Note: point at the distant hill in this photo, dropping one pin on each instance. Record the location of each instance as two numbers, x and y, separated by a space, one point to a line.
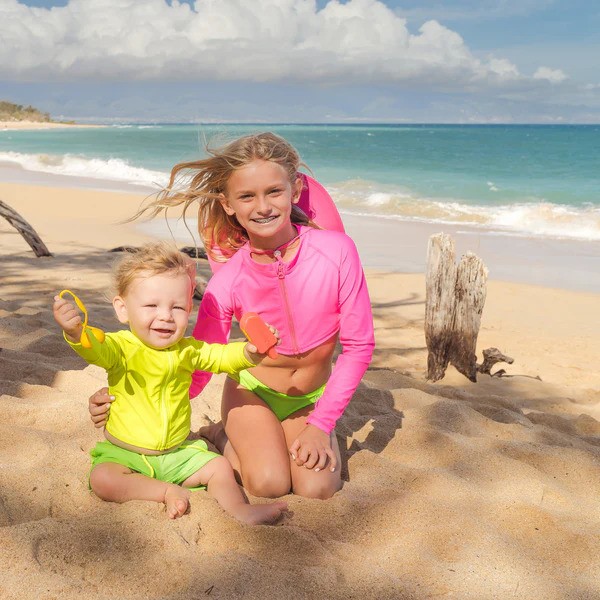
17 112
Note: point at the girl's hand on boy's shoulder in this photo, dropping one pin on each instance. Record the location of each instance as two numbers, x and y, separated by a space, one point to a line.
99 407
68 317
312 449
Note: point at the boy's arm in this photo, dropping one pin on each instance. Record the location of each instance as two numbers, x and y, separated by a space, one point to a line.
104 355
222 358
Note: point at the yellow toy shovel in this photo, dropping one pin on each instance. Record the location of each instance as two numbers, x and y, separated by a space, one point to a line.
97 333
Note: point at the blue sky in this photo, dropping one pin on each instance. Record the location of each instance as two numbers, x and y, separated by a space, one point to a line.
300 60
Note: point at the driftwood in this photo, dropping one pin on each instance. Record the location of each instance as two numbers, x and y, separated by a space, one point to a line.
194 252
454 301
25 229
491 356
191 251
130 249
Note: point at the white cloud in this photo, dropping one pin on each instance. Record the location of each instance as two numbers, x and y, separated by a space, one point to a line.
236 40
551 75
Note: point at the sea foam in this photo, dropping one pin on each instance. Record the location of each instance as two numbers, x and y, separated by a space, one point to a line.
112 169
531 216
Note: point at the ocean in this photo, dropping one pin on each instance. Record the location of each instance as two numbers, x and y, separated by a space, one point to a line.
513 180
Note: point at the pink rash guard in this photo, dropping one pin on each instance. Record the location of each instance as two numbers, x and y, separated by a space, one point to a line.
321 292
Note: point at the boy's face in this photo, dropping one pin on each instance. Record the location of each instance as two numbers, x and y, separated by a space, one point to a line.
156 308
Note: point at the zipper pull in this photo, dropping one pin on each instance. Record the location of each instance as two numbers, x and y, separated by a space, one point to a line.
280 266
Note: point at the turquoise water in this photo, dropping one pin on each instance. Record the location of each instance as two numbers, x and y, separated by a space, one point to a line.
518 180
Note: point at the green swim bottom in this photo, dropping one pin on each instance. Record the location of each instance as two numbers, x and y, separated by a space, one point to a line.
173 467
281 404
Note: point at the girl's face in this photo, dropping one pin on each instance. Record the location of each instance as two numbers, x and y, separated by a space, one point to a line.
260 195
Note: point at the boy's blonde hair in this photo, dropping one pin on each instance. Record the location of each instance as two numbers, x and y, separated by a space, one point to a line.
204 181
151 259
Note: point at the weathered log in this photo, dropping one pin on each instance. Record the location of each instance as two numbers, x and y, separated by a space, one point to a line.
130 249
439 304
191 251
194 252
25 229
470 292
454 301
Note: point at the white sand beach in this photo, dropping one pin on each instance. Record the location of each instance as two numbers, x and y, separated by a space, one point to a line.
474 491
21 125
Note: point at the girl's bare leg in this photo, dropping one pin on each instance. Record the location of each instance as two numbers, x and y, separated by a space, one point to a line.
267 465
253 442
218 476
115 483
307 482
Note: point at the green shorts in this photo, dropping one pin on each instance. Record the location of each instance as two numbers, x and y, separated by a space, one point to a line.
173 467
281 404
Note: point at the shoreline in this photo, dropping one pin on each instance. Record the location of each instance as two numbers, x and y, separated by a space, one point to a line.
390 245
397 246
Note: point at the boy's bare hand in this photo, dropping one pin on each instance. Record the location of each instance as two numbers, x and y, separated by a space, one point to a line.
68 317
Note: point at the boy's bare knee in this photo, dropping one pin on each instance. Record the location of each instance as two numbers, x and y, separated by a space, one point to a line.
217 468
267 483
220 464
102 482
106 481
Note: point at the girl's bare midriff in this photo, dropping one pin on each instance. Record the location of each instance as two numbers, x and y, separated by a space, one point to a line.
299 374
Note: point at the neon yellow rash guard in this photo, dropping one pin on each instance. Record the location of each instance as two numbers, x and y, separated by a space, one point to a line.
151 387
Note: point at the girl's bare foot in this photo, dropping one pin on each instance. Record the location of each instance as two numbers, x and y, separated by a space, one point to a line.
257 514
177 500
215 434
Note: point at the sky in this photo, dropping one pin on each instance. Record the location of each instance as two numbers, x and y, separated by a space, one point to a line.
353 61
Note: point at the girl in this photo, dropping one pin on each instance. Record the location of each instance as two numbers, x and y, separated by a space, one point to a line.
278 418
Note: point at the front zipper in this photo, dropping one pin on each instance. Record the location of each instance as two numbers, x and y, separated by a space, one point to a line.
163 409
288 312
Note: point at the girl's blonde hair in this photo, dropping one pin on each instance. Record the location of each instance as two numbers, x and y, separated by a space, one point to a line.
204 181
155 258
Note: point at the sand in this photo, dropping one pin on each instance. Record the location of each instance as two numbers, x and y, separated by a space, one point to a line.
454 489
41 125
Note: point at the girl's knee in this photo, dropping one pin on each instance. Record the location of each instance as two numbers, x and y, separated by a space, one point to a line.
267 483
317 487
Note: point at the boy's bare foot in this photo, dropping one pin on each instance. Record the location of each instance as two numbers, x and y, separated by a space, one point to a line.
177 500
215 434
257 514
